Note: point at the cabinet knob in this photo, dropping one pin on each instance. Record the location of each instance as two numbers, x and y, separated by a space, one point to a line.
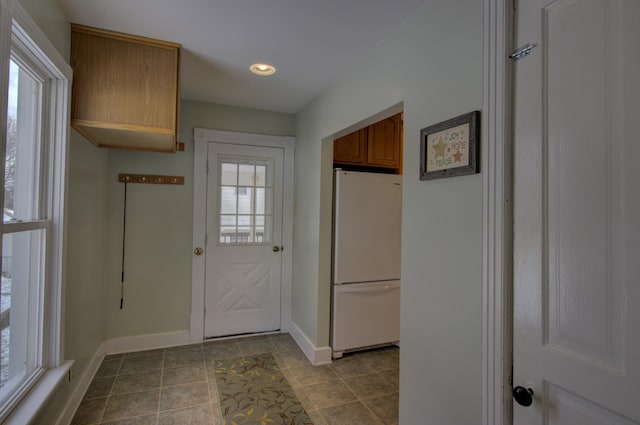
198 251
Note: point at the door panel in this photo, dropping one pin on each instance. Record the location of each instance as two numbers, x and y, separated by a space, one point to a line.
244 224
575 202
582 203
565 407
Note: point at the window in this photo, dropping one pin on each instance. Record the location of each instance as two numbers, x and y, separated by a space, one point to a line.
246 193
35 93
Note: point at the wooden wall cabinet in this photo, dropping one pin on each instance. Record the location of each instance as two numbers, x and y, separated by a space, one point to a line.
376 146
126 91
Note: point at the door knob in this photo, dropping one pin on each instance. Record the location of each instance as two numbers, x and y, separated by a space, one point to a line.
198 251
277 248
523 396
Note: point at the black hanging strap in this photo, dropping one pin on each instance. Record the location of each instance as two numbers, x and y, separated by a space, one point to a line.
124 235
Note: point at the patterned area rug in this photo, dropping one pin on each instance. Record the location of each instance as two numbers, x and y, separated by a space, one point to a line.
253 390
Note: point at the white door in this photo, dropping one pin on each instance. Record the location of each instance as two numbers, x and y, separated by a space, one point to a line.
576 212
244 239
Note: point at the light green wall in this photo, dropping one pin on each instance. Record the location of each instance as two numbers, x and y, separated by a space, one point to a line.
432 64
86 251
158 239
159 223
194 114
50 18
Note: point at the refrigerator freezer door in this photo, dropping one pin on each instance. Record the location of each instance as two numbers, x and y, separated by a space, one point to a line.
365 314
367 217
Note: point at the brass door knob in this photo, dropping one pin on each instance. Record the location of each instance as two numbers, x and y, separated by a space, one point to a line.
277 248
198 251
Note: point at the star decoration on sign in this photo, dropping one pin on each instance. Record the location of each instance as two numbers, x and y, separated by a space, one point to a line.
457 157
439 148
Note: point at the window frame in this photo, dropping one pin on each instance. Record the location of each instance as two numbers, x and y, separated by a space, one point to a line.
18 30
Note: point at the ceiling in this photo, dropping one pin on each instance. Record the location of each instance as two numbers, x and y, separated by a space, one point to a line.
310 42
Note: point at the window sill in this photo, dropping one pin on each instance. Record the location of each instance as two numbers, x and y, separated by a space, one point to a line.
31 404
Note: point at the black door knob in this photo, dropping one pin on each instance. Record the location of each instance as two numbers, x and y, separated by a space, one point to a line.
524 396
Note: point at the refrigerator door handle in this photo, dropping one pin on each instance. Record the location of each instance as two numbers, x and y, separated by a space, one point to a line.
378 288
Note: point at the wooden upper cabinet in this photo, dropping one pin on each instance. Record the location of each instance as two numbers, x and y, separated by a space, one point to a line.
384 142
376 146
352 148
125 89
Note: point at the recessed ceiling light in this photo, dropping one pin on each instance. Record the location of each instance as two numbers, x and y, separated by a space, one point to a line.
262 69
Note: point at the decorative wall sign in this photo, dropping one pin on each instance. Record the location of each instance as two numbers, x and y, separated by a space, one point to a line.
450 148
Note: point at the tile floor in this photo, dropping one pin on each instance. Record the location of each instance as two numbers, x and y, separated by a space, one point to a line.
176 385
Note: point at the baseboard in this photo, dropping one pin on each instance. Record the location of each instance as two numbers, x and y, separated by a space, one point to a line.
316 355
129 344
66 416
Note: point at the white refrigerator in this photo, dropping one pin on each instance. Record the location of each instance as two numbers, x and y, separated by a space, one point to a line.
366 260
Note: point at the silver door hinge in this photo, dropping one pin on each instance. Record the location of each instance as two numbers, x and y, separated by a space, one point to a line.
523 51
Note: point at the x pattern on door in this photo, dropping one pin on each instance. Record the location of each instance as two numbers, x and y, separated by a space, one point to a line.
243 287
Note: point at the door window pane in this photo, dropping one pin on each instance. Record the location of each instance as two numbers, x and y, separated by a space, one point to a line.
264 201
228 200
246 174
247 201
266 230
260 200
229 174
261 175
228 228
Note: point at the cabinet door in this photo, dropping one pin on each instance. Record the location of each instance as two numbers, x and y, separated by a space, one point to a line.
351 149
384 141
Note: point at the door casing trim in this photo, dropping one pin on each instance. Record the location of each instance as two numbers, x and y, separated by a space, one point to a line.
497 177
201 139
